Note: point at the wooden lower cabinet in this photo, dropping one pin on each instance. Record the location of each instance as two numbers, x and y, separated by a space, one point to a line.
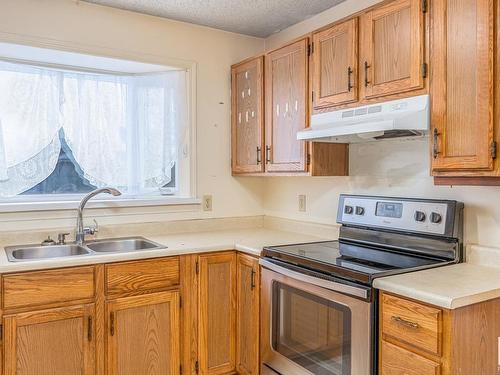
144 335
420 339
217 313
50 342
248 315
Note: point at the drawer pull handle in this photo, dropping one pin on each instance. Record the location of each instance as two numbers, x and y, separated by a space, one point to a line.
404 322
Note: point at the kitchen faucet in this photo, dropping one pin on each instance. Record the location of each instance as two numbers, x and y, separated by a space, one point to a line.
80 230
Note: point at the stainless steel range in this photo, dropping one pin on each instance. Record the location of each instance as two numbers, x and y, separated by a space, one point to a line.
319 309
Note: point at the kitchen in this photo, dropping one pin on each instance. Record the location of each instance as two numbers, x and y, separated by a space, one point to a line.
197 291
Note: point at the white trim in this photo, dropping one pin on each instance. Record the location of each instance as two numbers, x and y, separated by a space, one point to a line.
190 66
58 205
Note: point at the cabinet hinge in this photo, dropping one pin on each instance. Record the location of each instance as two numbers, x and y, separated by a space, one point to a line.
180 370
1 332
112 323
494 150
310 49
424 6
425 70
90 329
308 159
197 267
180 302
312 96
197 366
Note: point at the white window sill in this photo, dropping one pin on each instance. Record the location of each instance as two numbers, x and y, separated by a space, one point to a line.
56 205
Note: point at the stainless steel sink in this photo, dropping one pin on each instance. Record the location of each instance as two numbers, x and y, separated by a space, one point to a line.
26 253
36 252
123 245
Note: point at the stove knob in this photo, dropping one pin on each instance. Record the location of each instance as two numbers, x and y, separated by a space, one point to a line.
360 210
348 210
436 218
419 216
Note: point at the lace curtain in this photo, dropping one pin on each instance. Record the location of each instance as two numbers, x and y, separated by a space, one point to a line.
123 131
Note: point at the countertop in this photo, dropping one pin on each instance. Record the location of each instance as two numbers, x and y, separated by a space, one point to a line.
454 286
250 241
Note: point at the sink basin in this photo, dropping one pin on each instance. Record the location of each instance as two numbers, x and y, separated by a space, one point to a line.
35 252
123 245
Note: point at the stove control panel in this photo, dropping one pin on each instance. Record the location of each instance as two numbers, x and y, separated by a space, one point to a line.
410 215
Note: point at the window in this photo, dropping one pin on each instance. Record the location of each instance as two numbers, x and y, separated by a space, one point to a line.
66 131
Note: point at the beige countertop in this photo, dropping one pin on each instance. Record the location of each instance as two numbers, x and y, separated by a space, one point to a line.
454 286
248 240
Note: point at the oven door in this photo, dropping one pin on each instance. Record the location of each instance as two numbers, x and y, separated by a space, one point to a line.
312 326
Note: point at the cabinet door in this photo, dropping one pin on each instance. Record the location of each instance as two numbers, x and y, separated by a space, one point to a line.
217 322
50 342
392 48
462 85
143 335
286 107
247 104
247 349
335 65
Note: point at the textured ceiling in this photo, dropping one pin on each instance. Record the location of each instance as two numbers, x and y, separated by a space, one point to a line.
259 18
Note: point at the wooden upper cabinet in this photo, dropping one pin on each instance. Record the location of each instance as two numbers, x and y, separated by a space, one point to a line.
247 102
392 48
48 342
144 335
248 316
462 63
217 320
286 78
335 65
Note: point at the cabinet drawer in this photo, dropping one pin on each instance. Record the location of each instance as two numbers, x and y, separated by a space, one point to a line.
48 287
397 361
137 276
411 322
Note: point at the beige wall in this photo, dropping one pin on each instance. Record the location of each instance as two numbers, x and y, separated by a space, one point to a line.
79 26
393 168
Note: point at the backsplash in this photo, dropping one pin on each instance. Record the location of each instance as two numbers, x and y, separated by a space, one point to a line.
390 168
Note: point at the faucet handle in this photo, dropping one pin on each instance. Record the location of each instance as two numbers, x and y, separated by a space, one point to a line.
92 229
61 238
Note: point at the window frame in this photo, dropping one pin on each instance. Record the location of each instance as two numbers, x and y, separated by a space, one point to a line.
187 181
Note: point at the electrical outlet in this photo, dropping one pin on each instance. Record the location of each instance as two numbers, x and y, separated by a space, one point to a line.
302 203
207 203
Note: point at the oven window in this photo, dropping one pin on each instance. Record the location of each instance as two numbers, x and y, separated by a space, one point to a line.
311 331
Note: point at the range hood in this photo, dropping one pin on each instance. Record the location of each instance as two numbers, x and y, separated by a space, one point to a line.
398 118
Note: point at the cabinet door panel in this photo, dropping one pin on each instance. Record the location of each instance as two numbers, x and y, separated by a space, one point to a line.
248 116
335 61
143 335
398 361
50 342
247 350
286 107
393 48
217 313
462 85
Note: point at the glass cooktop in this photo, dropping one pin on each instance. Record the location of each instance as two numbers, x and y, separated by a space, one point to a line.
330 256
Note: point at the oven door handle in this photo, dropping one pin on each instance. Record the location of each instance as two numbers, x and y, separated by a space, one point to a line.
327 284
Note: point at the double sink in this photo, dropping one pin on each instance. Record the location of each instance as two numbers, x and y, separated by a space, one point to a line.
26 253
